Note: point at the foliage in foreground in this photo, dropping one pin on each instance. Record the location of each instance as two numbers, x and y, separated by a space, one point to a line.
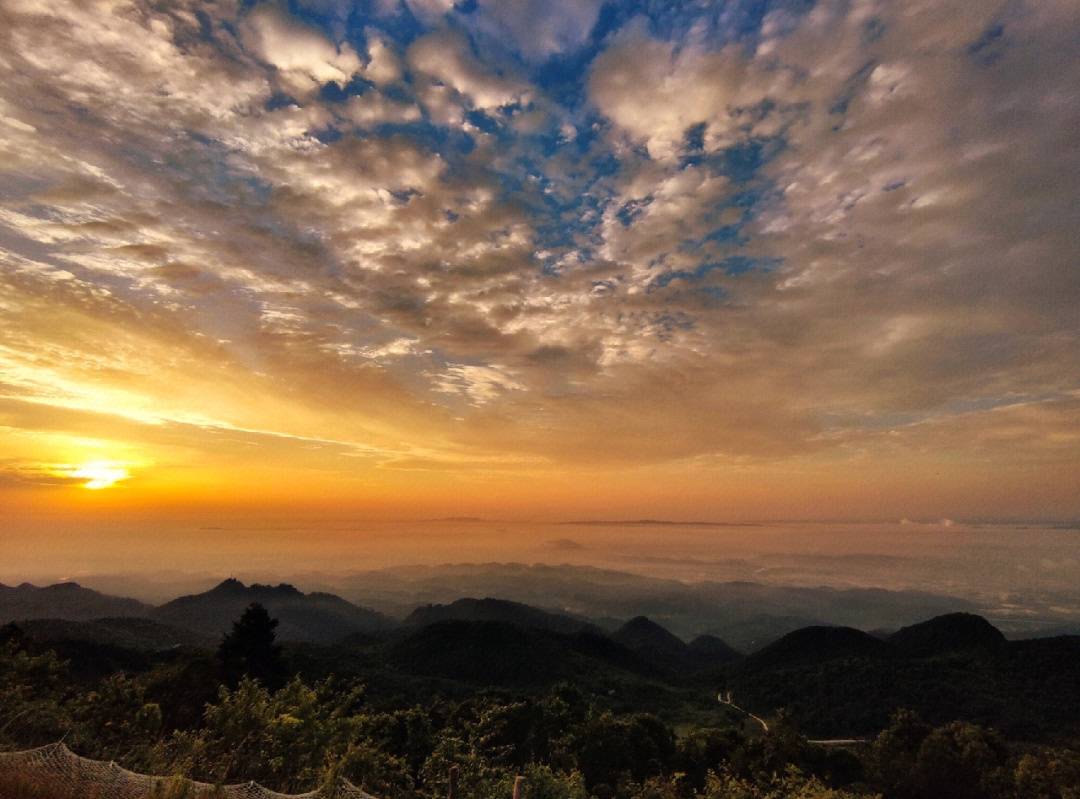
184 715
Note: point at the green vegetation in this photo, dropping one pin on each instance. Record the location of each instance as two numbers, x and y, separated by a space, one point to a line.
843 682
248 650
581 715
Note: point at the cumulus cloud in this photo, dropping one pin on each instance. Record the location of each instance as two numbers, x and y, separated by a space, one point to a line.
893 191
371 109
842 232
383 66
445 58
654 91
305 57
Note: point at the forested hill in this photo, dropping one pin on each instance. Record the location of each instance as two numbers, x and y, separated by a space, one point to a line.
584 714
837 681
563 598
833 680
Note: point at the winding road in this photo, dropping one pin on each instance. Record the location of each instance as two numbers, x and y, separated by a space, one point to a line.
726 700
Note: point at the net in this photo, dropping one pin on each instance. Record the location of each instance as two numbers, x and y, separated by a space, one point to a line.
57 767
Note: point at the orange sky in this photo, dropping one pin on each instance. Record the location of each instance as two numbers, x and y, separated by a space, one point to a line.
290 266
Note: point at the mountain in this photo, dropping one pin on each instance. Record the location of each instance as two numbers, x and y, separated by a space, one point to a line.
68 601
953 632
705 657
129 633
665 652
500 610
643 634
838 682
313 618
710 652
746 615
812 645
496 653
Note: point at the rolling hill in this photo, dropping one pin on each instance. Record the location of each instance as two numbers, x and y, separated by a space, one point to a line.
835 681
840 682
313 618
487 652
746 615
129 633
811 645
669 655
68 601
711 652
953 632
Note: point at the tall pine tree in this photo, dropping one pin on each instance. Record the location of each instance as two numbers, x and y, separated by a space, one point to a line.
249 650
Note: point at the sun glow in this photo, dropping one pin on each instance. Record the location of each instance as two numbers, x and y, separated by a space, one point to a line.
100 474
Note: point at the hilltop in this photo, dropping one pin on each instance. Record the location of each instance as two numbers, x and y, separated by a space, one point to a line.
837 681
953 632
67 600
315 618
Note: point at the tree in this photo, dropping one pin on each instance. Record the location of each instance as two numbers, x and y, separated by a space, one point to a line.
31 688
249 650
964 759
892 755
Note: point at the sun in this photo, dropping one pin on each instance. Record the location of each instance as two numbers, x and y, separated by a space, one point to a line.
100 474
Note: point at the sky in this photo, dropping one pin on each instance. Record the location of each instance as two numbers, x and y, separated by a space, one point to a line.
326 262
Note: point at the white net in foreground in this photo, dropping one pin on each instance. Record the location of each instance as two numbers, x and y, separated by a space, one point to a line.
55 767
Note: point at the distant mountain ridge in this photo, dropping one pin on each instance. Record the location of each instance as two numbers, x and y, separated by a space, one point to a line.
949 633
500 610
835 680
746 615
68 601
313 618
657 523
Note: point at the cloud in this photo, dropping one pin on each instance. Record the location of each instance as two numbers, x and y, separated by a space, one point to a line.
383 67
839 234
480 384
305 57
537 30
20 474
887 197
371 109
654 92
445 57
901 204
430 10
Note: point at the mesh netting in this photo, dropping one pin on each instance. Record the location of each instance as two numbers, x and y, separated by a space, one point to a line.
57 766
